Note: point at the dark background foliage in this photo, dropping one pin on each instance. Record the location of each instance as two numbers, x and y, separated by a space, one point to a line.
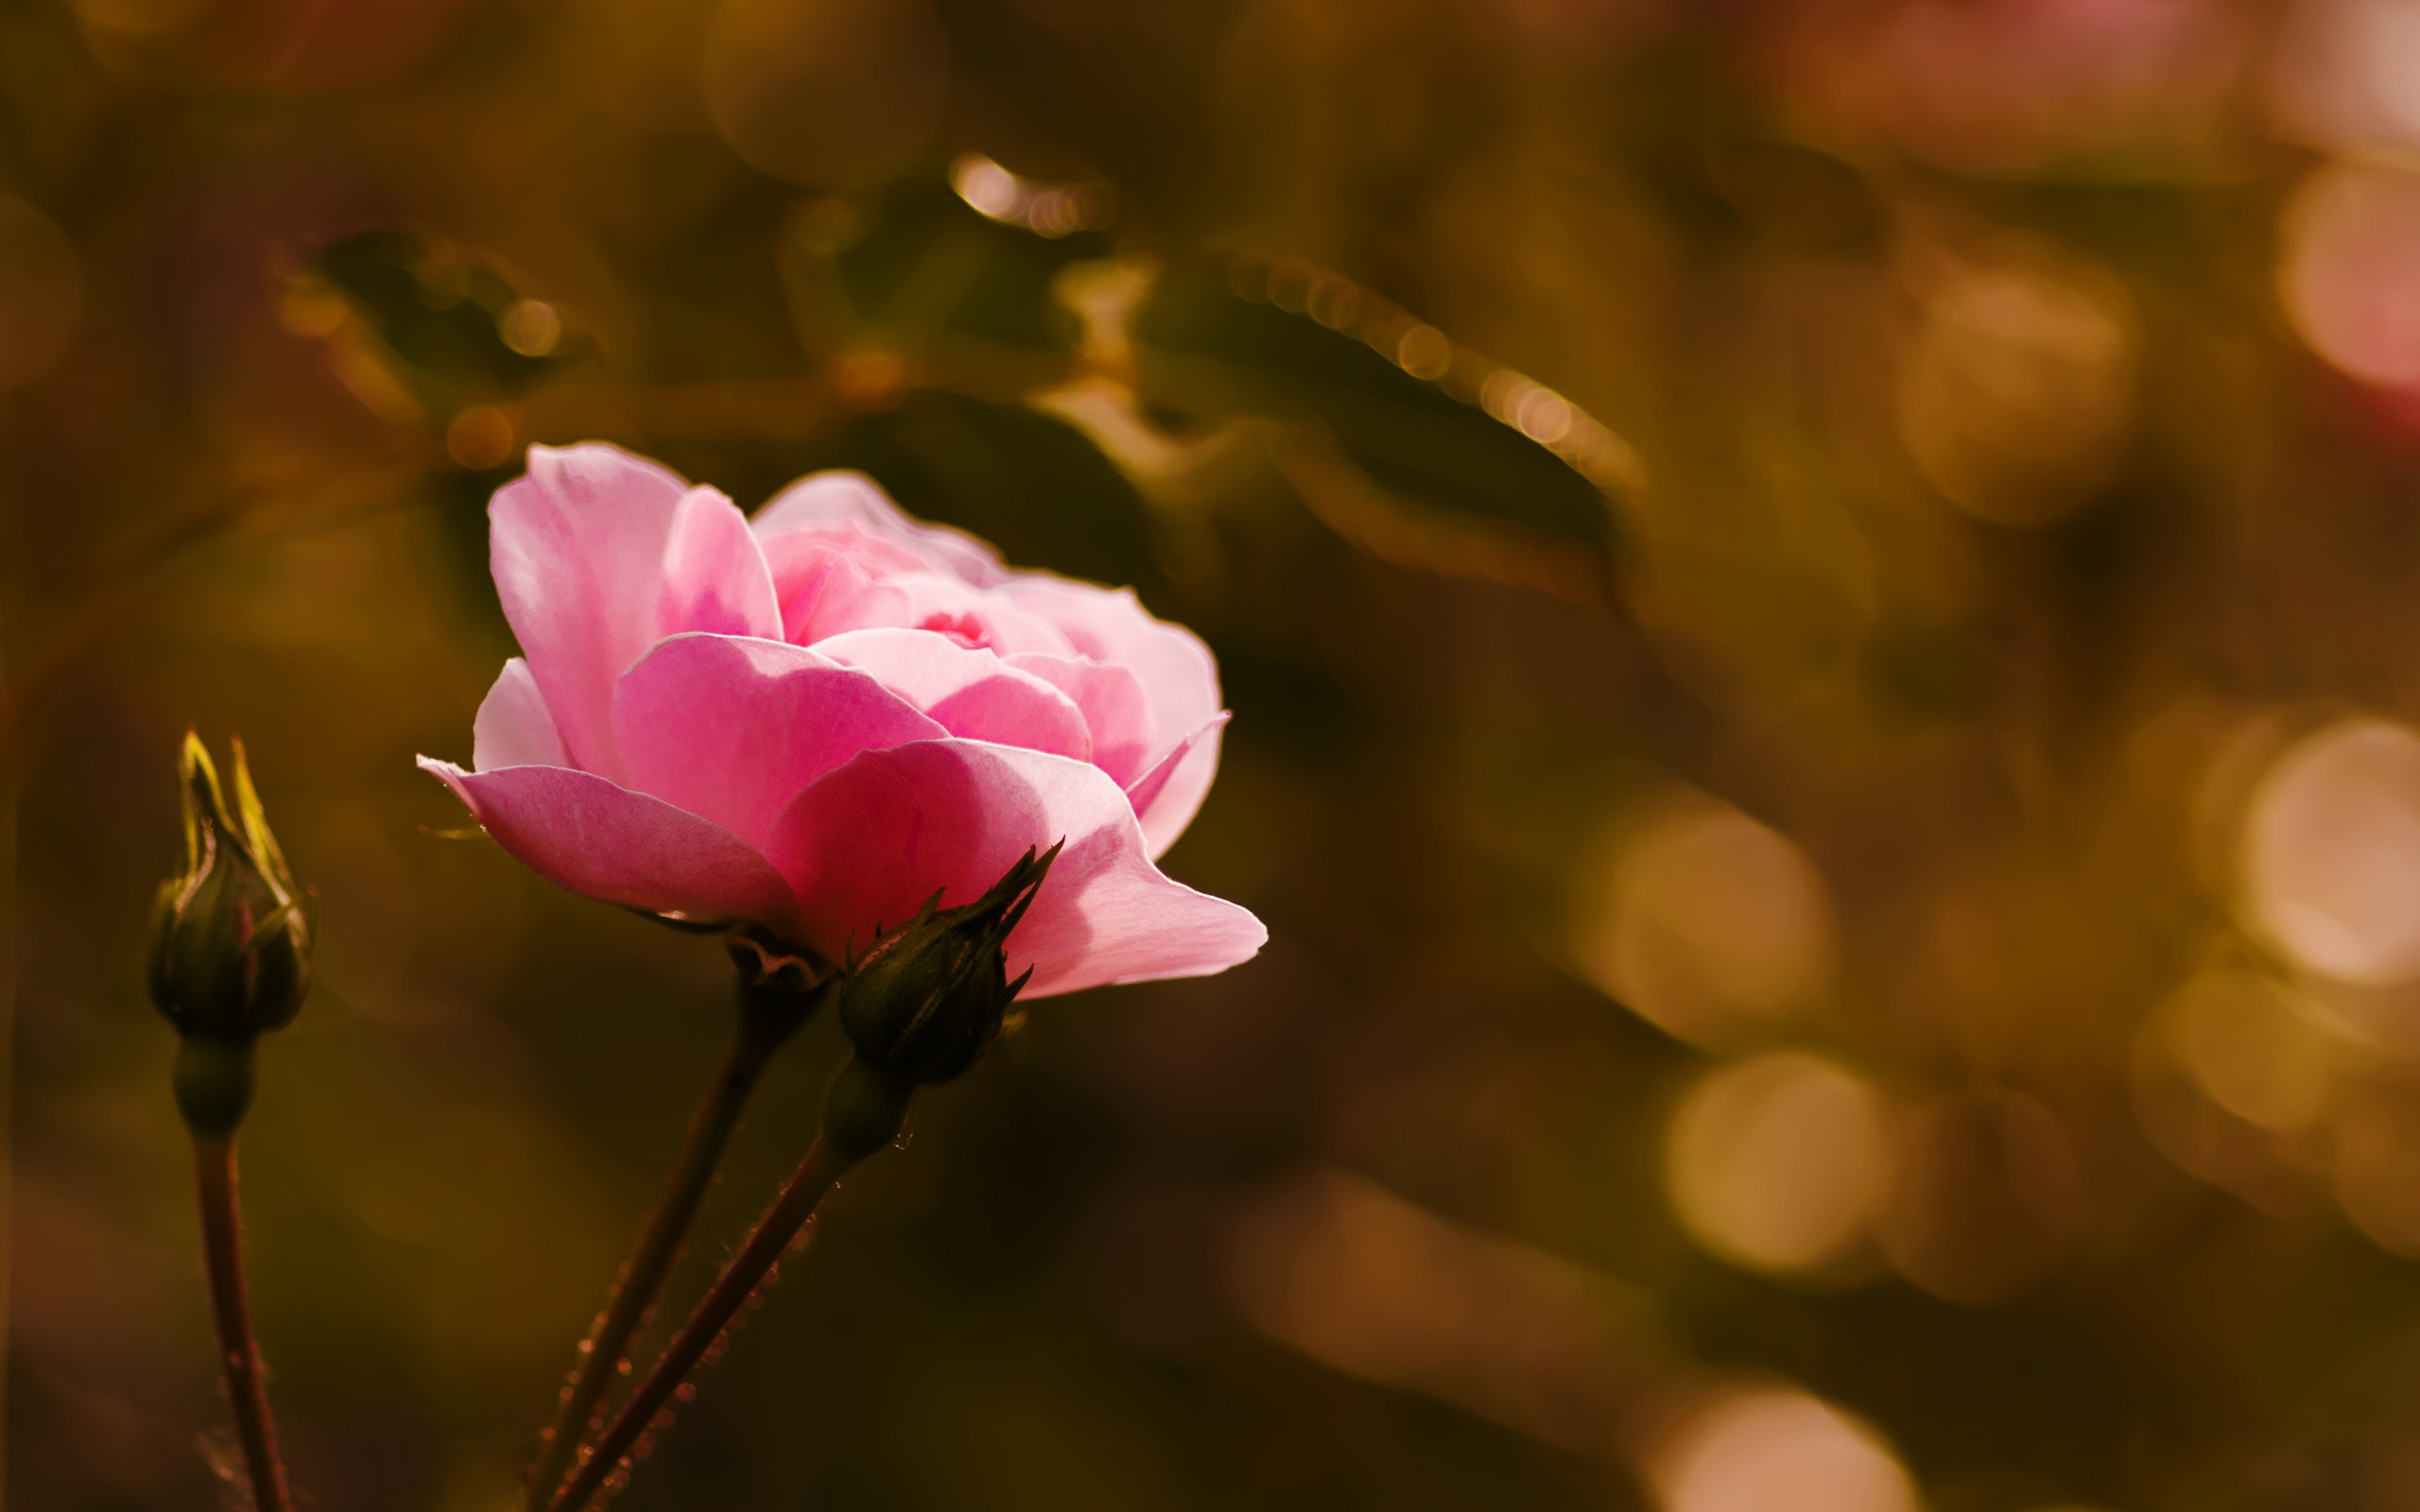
1818 602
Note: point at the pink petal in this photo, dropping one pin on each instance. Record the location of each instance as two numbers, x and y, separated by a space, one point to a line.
578 549
805 564
973 693
824 500
840 594
866 844
1111 701
584 833
1178 673
1167 798
715 577
932 601
514 727
731 729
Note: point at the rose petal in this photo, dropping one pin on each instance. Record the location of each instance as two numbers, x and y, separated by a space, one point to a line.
867 844
932 601
1167 798
809 566
514 727
715 577
973 693
578 549
1175 670
583 833
597 556
822 500
1116 711
731 729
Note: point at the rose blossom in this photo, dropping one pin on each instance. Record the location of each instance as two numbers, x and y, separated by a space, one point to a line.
814 719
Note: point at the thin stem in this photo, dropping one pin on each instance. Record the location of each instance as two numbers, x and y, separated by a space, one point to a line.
223 1252
659 1245
815 1176
8 790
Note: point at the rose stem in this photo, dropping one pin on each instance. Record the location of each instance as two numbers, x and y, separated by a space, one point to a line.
864 1109
762 1031
224 1252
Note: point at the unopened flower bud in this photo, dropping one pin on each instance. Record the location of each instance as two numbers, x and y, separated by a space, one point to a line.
231 946
928 998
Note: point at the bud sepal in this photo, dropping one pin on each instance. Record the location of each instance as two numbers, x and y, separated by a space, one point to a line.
928 996
231 936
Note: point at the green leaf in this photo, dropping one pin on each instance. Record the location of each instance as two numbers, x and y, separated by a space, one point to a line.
439 320
1417 450
1028 482
913 264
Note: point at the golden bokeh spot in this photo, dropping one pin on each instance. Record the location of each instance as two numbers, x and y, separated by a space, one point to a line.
1425 353
828 91
1780 1162
2349 270
308 307
1761 1450
530 327
479 438
1363 1280
1705 923
2331 853
2018 392
133 20
868 378
2248 1050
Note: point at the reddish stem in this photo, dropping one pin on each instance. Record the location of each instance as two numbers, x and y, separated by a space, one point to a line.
223 1253
709 1131
815 1176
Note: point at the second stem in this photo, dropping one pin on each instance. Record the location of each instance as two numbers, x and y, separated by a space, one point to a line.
765 1022
223 1254
863 1111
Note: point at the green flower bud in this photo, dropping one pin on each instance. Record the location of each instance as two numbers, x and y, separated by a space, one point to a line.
231 947
865 1109
928 998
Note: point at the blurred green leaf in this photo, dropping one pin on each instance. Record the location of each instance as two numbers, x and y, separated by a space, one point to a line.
1029 483
914 263
442 321
1391 432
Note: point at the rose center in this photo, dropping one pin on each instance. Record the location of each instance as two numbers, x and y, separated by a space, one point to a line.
963 628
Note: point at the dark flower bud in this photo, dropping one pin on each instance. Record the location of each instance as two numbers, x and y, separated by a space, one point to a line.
231 944
865 1109
928 998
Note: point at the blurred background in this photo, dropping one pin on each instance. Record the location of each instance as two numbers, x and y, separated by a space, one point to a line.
1820 602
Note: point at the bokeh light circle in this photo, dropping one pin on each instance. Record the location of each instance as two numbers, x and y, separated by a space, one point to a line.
1780 1162
1705 923
1763 1451
2331 851
2018 393
2249 1051
826 92
2345 73
2349 271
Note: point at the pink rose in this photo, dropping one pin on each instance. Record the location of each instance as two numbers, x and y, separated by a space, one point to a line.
814 719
